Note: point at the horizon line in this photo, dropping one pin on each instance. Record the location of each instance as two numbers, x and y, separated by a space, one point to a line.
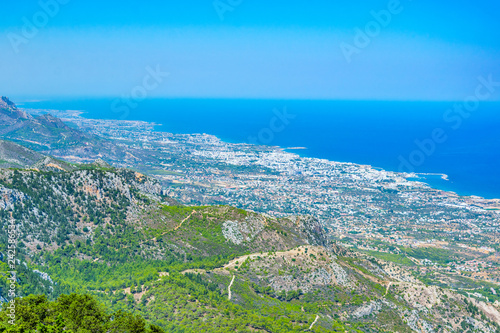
25 99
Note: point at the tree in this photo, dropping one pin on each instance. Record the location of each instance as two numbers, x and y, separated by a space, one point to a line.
70 313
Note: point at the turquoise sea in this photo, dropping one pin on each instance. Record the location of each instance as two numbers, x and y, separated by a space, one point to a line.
425 137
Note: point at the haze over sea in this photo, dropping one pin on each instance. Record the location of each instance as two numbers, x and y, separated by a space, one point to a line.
380 134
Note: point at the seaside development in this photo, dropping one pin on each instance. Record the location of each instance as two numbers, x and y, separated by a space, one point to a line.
385 214
194 233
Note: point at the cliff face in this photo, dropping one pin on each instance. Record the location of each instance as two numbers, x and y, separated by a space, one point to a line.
5 102
312 228
281 234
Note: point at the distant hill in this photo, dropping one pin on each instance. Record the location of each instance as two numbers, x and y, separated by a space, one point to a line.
9 113
42 133
13 155
50 135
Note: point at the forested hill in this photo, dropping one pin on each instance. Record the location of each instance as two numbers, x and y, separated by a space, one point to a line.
112 233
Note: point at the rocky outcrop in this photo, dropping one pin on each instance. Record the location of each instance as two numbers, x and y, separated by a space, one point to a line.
239 231
367 309
9 197
311 228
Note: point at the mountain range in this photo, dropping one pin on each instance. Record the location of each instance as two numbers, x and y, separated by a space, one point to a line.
114 239
50 135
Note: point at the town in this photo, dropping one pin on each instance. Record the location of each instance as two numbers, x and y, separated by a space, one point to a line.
360 206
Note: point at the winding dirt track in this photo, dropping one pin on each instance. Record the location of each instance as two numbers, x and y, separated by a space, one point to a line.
187 218
314 322
229 288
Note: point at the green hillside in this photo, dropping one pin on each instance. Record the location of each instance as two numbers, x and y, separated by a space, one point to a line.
112 234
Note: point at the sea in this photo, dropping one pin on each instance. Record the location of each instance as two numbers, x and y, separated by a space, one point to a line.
429 138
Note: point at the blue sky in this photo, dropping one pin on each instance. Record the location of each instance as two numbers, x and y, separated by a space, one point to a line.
250 48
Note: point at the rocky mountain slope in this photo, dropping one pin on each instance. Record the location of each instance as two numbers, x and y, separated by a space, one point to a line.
14 155
50 135
42 133
112 233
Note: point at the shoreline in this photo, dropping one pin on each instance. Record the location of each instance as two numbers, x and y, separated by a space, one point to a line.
443 176
295 148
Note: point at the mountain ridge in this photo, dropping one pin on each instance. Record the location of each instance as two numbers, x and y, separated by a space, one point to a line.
13 155
43 133
113 233
50 135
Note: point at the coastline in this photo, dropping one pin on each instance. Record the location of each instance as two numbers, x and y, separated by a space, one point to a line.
484 202
72 115
295 148
444 184
442 175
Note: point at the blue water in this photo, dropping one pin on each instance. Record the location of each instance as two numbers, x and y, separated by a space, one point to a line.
374 133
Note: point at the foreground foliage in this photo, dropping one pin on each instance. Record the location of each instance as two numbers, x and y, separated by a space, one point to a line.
70 313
